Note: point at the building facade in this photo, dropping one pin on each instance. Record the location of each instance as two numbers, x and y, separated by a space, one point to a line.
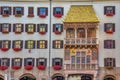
59 40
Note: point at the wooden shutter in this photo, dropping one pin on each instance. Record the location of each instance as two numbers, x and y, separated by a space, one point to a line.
25 61
9 44
62 10
113 9
33 61
22 27
61 27
33 44
105 10
45 61
114 62
22 10
105 41
13 59
37 61
61 61
38 11
53 61
105 61
45 43
8 61
26 44
61 44
26 27
54 26
38 44
9 10
9 27
20 61
21 44
113 27
113 43
1 10
13 44
46 26
14 10
53 44
38 25
34 27
14 27
54 11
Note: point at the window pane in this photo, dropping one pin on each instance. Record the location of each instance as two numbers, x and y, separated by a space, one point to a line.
73 59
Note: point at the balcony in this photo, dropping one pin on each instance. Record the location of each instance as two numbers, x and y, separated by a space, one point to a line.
81 41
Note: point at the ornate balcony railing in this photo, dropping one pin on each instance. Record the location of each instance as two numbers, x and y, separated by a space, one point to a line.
81 41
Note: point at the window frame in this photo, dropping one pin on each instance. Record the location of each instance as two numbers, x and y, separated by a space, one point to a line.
5 14
16 61
108 12
54 62
109 62
18 43
111 27
5 29
61 12
58 45
57 28
15 12
18 28
30 11
6 63
39 12
109 44
32 44
32 26
42 44
39 26
27 60
5 45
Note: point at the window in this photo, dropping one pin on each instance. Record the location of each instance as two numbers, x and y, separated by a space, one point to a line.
30 44
42 28
17 45
81 33
18 11
29 61
70 33
30 28
83 54
58 11
18 28
91 32
109 27
57 28
30 11
109 10
42 44
5 45
16 62
5 11
109 62
42 12
5 27
109 44
78 57
73 59
57 61
57 44
5 62
94 54
67 54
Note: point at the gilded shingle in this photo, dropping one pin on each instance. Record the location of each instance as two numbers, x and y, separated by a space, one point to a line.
82 13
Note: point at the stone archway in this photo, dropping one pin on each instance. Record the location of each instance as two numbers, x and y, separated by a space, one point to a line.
80 77
109 77
27 76
58 76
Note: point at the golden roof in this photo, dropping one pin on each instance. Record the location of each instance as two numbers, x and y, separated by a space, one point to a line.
82 13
